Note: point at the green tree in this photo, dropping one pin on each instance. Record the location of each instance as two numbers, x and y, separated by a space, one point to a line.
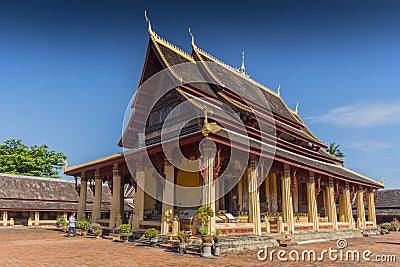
17 158
334 150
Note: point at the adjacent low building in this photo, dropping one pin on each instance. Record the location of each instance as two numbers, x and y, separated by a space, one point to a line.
388 205
38 201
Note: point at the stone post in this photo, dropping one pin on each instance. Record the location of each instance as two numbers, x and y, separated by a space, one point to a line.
280 227
254 196
348 212
82 198
96 213
167 210
267 225
139 197
312 202
360 207
5 218
37 218
330 193
287 205
371 208
175 226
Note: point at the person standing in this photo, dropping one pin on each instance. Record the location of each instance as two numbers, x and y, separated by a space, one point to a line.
72 228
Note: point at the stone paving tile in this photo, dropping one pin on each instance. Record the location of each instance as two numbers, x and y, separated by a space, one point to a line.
38 247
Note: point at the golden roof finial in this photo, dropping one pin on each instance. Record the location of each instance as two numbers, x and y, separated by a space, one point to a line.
242 68
191 34
383 181
279 90
297 107
148 22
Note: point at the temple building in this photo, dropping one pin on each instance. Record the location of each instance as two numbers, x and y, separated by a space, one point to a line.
287 183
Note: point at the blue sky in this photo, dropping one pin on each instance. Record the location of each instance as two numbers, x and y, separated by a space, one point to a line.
69 68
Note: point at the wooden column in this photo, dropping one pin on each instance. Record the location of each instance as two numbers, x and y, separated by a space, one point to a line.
312 202
371 208
330 196
341 208
116 198
240 194
287 201
360 206
209 193
139 197
268 192
296 199
98 187
167 210
274 194
348 212
254 196
82 198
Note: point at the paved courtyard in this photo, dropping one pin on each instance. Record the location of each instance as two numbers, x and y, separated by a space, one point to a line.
37 247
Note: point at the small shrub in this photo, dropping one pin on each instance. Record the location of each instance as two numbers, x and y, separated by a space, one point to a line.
61 222
83 225
203 230
96 229
150 233
125 230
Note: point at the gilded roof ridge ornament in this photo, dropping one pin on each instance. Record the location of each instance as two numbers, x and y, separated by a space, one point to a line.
209 127
191 35
148 22
242 68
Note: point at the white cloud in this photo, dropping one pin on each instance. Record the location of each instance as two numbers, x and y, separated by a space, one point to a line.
367 145
361 115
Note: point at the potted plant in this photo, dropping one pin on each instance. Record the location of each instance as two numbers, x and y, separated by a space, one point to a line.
217 251
96 229
84 226
125 232
62 224
151 234
204 214
184 240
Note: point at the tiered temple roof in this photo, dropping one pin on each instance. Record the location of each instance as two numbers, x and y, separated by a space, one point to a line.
300 147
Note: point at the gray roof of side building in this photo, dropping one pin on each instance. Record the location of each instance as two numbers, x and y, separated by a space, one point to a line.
39 193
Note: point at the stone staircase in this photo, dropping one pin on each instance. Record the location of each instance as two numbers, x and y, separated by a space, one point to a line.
246 242
323 235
